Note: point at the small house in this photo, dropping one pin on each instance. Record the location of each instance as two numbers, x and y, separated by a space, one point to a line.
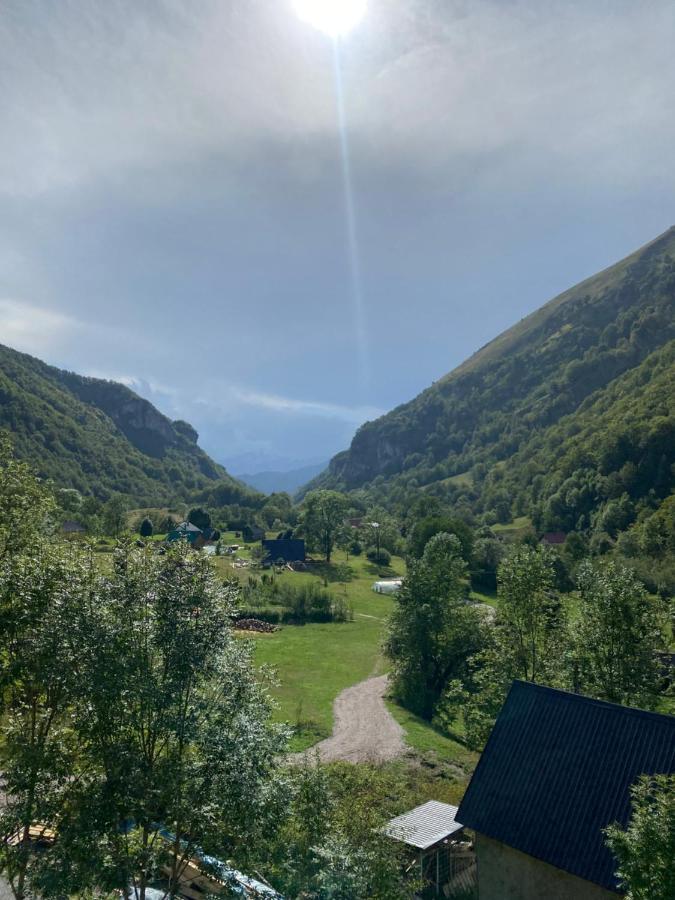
556 771
288 550
438 847
196 537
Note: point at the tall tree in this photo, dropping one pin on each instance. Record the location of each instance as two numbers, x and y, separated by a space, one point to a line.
174 723
432 630
41 594
25 503
529 609
526 641
645 850
199 517
616 636
115 516
146 528
424 529
323 517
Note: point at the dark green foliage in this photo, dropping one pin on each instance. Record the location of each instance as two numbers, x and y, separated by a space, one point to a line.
616 636
567 418
146 528
645 850
101 438
323 515
199 517
26 505
433 631
278 601
426 528
329 845
380 557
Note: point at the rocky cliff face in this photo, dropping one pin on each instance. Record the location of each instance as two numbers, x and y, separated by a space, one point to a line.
100 437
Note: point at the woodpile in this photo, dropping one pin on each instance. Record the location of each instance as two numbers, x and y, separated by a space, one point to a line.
255 625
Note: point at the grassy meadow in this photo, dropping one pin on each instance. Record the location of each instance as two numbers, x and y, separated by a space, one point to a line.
314 662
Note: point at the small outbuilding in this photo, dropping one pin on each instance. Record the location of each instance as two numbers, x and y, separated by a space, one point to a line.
556 771
288 550
438 847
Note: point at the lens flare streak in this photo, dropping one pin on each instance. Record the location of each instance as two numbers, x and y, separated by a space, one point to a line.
350 217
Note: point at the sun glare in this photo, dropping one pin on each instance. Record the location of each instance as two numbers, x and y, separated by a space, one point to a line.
334 17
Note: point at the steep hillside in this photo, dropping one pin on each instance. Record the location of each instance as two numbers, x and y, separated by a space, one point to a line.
100 437
535 420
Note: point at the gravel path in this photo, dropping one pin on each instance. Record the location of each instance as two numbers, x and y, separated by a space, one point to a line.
363 730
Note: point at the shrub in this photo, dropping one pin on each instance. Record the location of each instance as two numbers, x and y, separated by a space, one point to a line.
380 558
355 548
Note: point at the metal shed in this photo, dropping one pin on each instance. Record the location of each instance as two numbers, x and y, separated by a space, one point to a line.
444 856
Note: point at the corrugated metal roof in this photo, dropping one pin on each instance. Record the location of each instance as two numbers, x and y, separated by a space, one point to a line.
425 825
557 770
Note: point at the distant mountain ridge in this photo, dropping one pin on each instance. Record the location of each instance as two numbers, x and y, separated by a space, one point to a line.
279 481
494 432
100 437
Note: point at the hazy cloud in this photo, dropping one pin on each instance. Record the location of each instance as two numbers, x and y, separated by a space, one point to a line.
171 191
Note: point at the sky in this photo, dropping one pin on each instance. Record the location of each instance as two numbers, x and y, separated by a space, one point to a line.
181 210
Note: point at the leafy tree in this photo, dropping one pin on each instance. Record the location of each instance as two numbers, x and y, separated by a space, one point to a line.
381 530
25 503
530 612
323 517
486 556
616 636
199 517
526 641
432 630
146 528
328 845
41 594
381 557
424 529
174 724
645 850
115 516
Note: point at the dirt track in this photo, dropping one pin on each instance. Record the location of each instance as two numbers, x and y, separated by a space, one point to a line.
363 728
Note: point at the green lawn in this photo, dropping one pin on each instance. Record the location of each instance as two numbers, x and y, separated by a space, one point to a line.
516 529
314 662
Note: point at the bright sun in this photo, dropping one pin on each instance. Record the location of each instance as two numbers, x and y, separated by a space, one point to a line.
333 17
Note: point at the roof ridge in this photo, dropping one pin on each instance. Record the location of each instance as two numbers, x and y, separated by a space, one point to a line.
584 698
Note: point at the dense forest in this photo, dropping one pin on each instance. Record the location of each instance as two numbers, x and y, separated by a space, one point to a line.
100 438
566 419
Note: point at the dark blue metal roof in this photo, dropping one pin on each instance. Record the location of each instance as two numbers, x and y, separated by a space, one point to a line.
290 549
557 770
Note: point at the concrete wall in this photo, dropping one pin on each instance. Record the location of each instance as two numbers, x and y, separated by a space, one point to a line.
507 874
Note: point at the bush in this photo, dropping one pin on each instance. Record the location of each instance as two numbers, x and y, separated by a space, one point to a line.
380 557
296 605
355 548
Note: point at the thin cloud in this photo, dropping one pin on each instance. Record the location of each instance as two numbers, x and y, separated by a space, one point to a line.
352 414
32 329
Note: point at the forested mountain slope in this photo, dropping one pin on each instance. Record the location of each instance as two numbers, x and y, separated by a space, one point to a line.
101 438
568 412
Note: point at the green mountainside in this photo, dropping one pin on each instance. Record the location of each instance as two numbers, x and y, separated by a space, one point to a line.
567 418
101 438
